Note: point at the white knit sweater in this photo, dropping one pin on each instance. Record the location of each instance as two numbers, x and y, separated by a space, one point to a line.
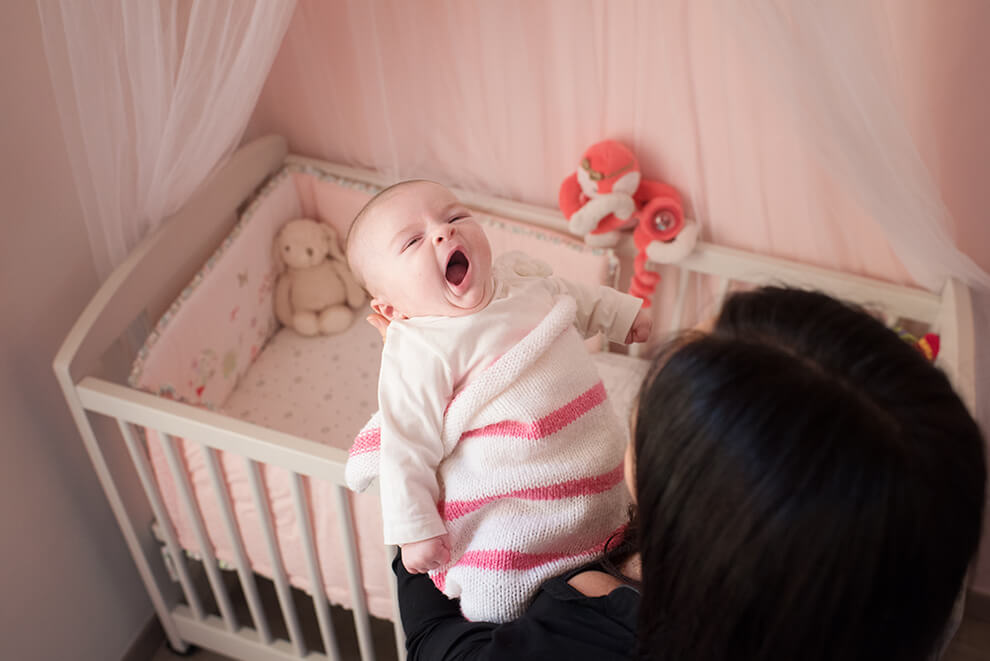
530 483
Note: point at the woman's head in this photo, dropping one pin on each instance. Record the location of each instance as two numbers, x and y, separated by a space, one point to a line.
808 487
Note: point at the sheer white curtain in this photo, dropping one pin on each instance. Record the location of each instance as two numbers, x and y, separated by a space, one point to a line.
152 95
836 67
833 64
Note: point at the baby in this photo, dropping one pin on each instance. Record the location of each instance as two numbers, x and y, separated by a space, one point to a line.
499 457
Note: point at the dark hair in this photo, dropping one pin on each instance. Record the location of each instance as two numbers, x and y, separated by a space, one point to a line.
809 487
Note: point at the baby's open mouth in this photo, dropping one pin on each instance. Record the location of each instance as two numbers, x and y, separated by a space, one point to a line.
457 268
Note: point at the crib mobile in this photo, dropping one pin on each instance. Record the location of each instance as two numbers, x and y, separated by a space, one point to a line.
607 193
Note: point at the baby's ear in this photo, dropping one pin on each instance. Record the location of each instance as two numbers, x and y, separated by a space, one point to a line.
385 309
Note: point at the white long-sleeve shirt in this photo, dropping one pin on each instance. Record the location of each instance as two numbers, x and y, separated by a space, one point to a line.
427 360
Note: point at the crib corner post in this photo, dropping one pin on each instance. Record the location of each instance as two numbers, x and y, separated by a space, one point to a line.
140 543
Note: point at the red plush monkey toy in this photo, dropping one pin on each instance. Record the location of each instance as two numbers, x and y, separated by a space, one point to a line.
607 194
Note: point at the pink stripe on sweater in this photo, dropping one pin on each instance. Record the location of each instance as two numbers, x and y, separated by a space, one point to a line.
547 425
367 441
585 486
505 560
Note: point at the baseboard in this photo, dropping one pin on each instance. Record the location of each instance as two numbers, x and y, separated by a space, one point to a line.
146 643
978 606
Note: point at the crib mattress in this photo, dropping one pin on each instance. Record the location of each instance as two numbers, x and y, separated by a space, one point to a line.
319 388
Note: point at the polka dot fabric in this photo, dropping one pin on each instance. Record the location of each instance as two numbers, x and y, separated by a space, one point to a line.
322 388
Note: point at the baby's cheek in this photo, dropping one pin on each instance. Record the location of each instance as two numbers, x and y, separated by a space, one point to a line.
483 258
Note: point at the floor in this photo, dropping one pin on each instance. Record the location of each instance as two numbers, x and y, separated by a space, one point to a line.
382 631
383 640
972 642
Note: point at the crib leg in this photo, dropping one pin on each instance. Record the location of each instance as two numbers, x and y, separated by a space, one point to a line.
187 650
154 577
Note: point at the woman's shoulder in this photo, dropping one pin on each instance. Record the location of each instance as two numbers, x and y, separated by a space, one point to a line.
595 583
590 581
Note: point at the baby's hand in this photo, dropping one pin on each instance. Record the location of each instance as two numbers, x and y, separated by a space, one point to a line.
420 557
641 326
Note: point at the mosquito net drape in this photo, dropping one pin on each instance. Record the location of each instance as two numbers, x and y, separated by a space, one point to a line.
797 128
151 96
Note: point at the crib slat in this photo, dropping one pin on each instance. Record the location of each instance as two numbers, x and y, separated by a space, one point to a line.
393 585
315 575
683 276
361 622
161 514
199 528
278 567
237 543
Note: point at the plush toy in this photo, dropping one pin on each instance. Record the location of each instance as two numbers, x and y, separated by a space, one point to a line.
315 292
928 344
607 194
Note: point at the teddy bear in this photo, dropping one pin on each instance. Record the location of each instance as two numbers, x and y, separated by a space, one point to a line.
315 293
607 194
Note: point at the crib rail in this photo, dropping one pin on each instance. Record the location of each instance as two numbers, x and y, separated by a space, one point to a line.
736 265
729 267
256 446
220 432
948 313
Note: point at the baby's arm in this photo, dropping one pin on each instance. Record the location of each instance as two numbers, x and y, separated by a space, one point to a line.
414 389
601 308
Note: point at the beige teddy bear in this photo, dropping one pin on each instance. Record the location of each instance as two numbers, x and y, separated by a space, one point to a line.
315 292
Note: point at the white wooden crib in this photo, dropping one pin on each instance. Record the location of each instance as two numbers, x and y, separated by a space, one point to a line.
93 363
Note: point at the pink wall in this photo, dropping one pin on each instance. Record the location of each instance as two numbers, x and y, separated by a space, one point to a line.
69 588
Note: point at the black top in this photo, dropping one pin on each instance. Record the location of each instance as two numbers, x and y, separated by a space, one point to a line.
560 623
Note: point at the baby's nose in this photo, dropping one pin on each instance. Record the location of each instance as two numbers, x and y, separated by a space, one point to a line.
445 233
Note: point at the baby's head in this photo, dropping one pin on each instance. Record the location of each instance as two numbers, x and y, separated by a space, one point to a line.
419 252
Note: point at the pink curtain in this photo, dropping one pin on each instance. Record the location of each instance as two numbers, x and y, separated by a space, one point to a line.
845 134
